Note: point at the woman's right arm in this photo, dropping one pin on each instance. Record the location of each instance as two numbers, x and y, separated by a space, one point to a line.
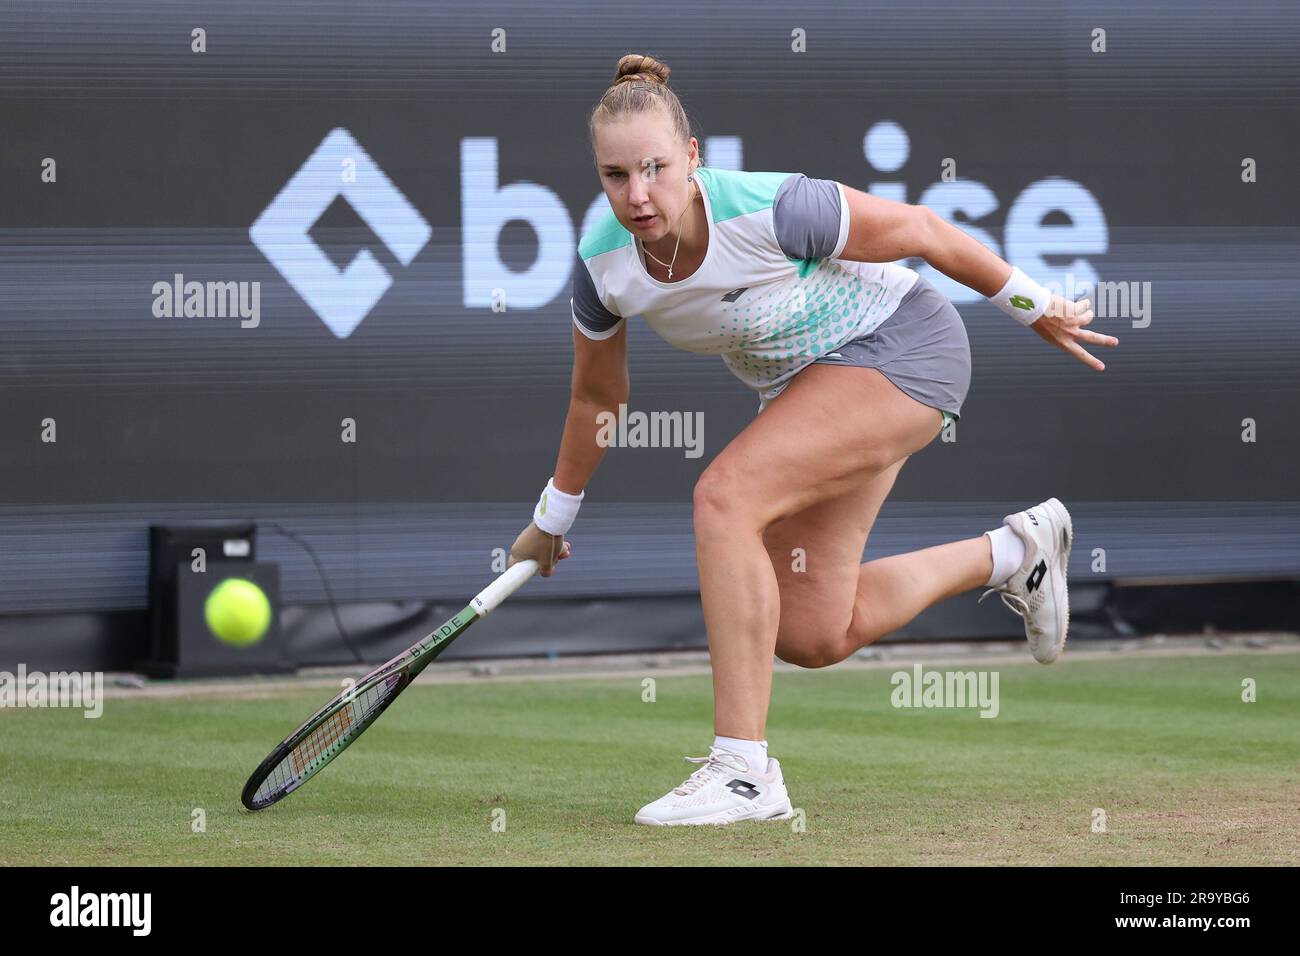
600 383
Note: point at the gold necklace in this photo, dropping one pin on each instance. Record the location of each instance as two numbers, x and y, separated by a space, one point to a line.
669 265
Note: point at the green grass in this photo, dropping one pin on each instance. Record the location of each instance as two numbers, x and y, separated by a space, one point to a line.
1186 772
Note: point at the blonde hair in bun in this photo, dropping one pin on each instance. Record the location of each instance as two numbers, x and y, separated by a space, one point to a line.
640 85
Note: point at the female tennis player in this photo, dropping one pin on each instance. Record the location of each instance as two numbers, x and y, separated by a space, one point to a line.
858 362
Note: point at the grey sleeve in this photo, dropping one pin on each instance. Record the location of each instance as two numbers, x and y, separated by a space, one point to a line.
810 218
589 313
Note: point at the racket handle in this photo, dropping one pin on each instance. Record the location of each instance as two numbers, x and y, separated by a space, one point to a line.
504 586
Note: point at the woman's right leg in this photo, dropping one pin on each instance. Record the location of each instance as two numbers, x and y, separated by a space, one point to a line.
832 604
893 591
817 556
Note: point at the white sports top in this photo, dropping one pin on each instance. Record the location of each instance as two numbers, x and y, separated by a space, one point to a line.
770 296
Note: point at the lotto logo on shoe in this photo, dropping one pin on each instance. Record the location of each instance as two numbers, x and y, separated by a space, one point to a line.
1036 576
743 788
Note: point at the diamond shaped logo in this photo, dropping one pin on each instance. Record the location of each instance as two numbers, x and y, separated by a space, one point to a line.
338 168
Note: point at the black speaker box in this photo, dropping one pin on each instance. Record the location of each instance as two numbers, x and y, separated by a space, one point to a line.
180 643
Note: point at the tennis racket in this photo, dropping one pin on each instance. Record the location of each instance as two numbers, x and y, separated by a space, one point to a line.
326 734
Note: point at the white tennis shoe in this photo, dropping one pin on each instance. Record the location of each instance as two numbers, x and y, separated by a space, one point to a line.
724 790
1037 591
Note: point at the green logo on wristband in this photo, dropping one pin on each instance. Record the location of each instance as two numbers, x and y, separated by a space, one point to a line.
543 508
1020 302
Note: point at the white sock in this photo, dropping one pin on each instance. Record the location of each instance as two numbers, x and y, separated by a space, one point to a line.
1008 555
754 751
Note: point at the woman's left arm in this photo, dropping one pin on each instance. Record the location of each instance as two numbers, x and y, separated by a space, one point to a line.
881 230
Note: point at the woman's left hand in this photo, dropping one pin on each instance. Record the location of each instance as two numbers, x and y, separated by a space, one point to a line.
1063 325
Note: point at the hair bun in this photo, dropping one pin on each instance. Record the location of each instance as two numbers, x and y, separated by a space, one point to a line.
634 68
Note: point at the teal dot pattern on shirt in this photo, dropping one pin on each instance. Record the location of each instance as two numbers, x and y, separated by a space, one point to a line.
778 332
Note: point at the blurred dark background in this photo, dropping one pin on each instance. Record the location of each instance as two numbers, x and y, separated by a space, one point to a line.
1124 166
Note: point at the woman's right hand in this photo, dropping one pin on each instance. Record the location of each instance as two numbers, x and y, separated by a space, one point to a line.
1063 325
545 549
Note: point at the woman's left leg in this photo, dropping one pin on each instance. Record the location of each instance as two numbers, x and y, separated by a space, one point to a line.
814 467
832 429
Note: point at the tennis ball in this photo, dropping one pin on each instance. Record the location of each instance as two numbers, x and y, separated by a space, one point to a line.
237 612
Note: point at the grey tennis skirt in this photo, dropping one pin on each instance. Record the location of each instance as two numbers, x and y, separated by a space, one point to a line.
922 348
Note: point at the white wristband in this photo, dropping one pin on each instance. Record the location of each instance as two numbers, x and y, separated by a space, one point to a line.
556 509
1022 298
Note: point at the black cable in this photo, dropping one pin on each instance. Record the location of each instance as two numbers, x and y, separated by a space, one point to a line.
329 593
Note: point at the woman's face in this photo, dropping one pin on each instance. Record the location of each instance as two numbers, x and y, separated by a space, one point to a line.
643 168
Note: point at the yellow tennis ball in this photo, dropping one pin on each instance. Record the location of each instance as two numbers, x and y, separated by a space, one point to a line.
237 612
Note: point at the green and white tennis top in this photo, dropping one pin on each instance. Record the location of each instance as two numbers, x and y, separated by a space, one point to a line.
770 296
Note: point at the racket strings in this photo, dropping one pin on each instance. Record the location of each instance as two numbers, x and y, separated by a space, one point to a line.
325 740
